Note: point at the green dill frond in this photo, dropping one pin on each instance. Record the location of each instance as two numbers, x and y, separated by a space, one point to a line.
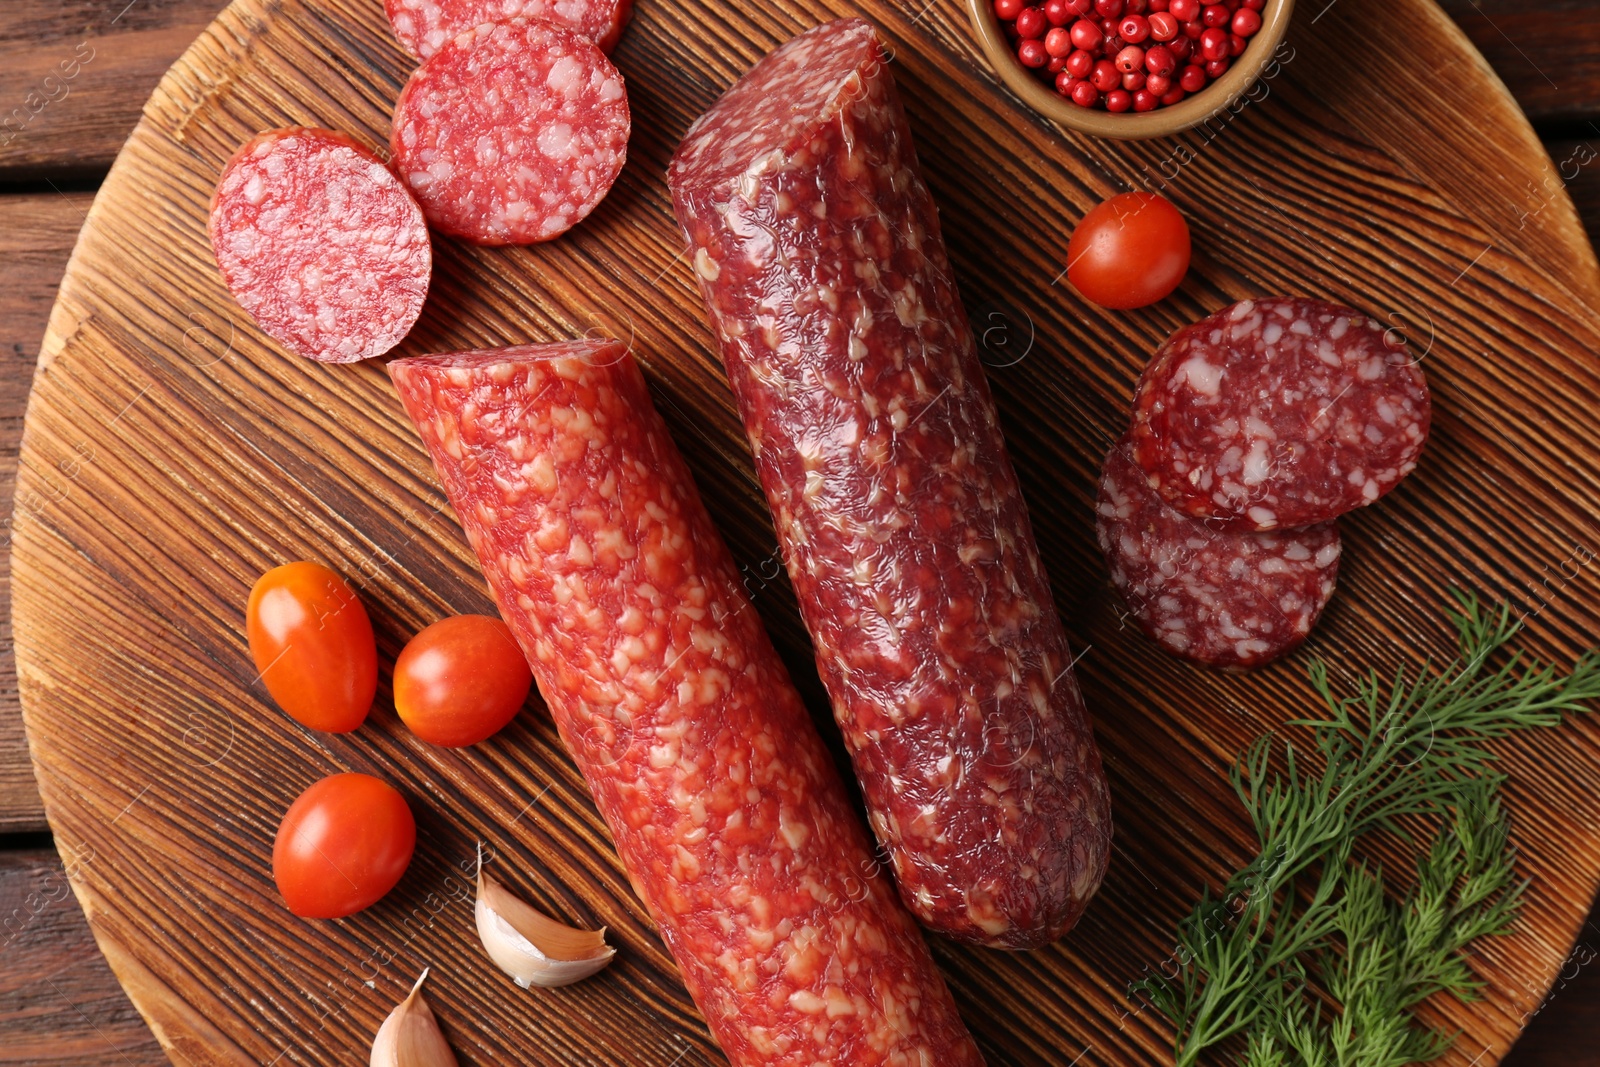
1306 954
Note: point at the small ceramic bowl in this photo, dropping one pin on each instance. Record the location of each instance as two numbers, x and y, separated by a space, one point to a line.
1191 111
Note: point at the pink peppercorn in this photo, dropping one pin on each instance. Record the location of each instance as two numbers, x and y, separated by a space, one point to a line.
1056 12
1159 60
1213 44
1086 35
1131 59
1031 23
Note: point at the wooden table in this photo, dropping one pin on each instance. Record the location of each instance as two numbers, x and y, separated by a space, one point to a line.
73 74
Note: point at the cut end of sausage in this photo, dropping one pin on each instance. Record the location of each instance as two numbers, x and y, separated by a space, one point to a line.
602 352
1218 598
776 107
512 133
424 26
321 244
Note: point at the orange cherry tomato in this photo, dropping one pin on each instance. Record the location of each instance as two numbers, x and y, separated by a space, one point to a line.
1128 252
312 643
342 845
460 680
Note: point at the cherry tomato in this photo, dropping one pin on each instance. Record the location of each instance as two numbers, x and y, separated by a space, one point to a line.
460 680
342 845
1130 251
312 643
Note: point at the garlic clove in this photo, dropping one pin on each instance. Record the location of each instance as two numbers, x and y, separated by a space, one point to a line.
531 947
410 1036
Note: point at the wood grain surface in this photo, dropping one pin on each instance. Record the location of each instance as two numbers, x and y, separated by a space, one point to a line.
168 477
92 1017
74 74
1547 52
36 235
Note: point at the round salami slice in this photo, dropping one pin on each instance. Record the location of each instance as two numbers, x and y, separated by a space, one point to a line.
321 244
424 26
1279 412
512 133
1217 597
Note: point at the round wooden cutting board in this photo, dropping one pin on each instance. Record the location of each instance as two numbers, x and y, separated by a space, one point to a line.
172 454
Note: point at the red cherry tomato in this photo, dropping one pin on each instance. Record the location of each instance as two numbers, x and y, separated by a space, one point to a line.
1130 251
460 680
312 642
342 845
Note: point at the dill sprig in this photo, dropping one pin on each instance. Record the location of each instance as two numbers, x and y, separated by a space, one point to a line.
1305 954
